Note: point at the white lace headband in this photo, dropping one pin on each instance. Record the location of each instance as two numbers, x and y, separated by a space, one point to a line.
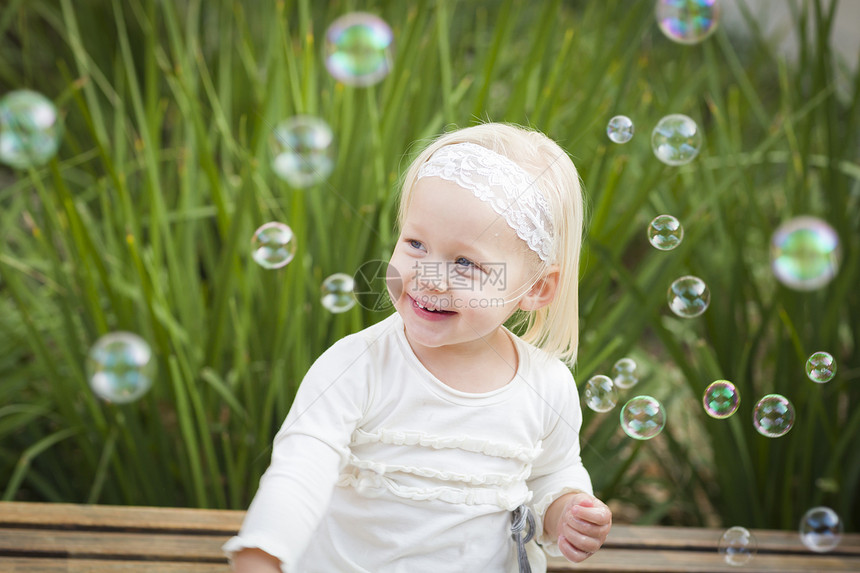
506 186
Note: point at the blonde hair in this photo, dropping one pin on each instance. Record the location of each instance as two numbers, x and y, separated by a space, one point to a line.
555 327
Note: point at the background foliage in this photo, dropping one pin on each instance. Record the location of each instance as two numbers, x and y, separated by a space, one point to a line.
143 222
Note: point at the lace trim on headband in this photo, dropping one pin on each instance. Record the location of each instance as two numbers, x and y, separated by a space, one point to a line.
507 187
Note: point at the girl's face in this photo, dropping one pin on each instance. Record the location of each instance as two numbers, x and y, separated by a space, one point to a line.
461 269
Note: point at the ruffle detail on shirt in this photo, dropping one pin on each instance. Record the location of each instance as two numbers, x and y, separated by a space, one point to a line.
524 454
239 542
471 479
372 484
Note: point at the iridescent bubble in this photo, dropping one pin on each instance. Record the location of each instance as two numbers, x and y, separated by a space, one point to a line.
358 49
773 416
676 139
600 393
643 417
273 245
738 545
665 232
687 21
624 373
721 399
821 367
337 293
302 150
620 129
821 529
30 129
805 253
689 296
120 367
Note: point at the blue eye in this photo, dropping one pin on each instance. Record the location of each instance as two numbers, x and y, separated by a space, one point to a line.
415 244
464 262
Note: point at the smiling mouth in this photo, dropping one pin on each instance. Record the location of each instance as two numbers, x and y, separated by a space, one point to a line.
430 309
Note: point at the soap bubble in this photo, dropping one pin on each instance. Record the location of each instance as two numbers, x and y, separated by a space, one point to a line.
804 253
643 417
303 154
600 393
738 545
773 416
358 49
620 129
721 399
687 21
676 139
337 293
30 129
821 529
274 245
665 232
624 373
119 367
689 297
821 367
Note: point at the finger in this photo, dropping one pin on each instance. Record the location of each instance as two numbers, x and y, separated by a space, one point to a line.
584 543
585 528
571 552
599 515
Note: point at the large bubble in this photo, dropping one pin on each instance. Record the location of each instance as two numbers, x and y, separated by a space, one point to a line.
821 529
738 545
805 253
302 150
773 416
676 139
665 232
600 393
358 49
273 245
620 129
30 129
120 367
721 399
821 367
643 417
687 21
689 297
338 293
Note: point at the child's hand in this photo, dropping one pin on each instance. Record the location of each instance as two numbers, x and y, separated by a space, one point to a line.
582 526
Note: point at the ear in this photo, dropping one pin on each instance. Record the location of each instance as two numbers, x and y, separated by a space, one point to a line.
543 291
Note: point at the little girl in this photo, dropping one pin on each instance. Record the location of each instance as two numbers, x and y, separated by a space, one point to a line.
431 440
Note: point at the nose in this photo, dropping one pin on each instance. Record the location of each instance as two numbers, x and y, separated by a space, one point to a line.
431 276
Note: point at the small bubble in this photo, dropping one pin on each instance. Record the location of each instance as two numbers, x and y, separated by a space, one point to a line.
600 393
302 150
624 373
676 139
805 253
273 245
821 529
643 417
30 129
120 367
620 129
721 399
738 545
773 416
337 293
665 232
821 367
359 49
689 297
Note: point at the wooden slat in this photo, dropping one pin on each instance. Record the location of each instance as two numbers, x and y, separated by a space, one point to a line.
119 517
29 565
86 544
672 561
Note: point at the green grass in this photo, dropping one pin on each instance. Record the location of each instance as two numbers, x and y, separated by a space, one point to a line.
143 223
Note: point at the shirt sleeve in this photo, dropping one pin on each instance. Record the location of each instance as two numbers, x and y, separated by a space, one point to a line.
308 454
558 469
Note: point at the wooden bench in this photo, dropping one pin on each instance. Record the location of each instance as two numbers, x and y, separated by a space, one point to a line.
70 538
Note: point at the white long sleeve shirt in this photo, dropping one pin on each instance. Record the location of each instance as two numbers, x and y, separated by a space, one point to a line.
382 468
